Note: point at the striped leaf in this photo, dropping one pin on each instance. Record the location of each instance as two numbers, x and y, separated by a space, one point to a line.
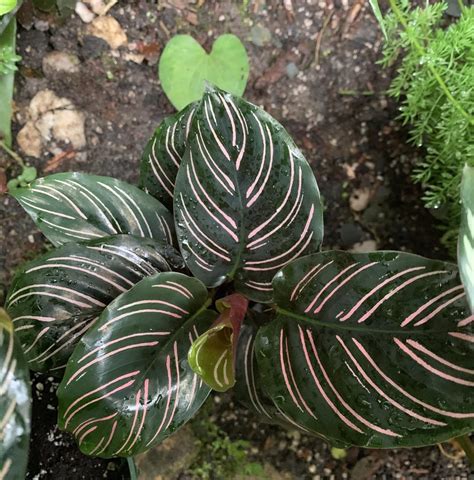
15 404
70 207
128 384
466 234
246 201
162 156
54 298
370 349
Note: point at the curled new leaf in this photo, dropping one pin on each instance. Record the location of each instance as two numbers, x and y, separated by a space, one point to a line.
70 207
246 201
54 298
466 235
128 384
370 349
15 404
162 156
212 356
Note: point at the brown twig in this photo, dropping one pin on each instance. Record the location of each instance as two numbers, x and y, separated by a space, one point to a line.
320 37
58 159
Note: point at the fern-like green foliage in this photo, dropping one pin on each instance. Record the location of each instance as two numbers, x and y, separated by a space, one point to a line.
435 85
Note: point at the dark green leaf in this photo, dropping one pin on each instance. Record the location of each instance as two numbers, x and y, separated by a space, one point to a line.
370 349
15 404
54 298
128 384
71 207
162 156
246 201
466 234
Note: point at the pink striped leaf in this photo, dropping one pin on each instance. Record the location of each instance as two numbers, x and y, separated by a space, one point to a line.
70 207
466 234
128 384
162 155
370 349
249 389
15 404
54 298
246 200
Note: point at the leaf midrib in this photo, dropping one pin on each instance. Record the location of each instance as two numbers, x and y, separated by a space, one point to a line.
357 328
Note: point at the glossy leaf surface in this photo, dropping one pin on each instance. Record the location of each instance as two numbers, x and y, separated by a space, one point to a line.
185 67
162 156
371 349
69 207
246 200
15 404
128 384
54 298
466 234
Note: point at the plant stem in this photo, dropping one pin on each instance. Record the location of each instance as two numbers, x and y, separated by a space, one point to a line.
132 468
467 446
437 76
12 154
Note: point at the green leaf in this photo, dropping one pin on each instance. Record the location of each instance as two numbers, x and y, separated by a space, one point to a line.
373 350
128 384
246 200
15 404
379 17
162 156
466 234
54 299
185 66
212 356
7 41
7 6
29 174
70 207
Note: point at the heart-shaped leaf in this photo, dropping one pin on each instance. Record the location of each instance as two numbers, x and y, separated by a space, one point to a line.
246 200
370 349
185 66
466 234
15 404
54 298
162 156
70 207
128 384
7 6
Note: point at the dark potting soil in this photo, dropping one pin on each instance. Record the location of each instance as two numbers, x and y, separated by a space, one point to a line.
314 69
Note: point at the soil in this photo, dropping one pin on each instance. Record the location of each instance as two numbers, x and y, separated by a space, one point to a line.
313 68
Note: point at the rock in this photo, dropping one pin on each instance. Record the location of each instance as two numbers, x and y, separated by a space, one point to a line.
60 62
30 141
84 13
359 199
93 47
291 70
170 458
51 119
97 6
364 247
108 29
260 35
